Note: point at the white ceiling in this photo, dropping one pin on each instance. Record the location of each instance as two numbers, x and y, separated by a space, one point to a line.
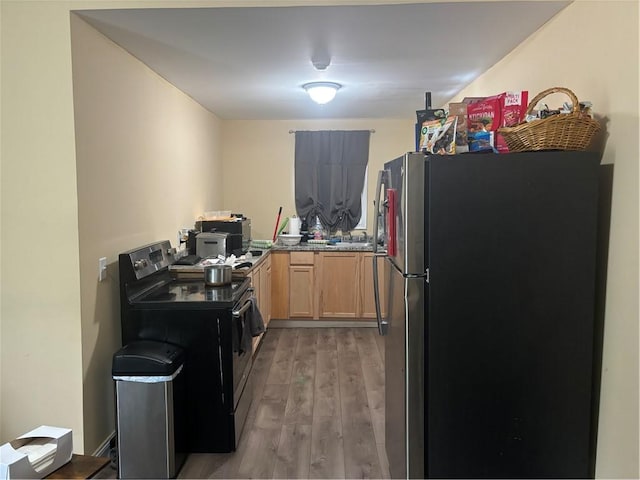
251 63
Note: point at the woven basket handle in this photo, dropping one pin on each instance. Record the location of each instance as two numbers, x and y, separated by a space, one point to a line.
549 91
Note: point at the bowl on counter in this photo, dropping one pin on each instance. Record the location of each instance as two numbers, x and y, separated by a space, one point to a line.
289 240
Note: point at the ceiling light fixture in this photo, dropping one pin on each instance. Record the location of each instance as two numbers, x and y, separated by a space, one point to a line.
322 92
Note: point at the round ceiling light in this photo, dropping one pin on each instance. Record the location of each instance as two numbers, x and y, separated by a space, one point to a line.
322 92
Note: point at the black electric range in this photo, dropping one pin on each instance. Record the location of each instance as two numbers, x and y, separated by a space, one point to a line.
210 323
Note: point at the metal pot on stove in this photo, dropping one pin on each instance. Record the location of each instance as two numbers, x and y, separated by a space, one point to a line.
217 275
221 274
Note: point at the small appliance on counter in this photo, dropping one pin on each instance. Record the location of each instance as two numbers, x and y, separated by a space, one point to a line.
191 241
213 244
238 228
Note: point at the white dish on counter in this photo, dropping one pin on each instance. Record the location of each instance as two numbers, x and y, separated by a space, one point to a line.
289 240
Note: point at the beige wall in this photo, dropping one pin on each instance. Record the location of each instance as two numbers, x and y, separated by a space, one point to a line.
600 65
41 364
258 163
139 141
591 47
67 197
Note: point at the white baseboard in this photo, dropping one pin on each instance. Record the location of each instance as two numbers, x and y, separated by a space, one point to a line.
104 450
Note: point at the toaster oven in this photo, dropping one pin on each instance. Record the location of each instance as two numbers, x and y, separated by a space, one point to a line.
213 244
239 230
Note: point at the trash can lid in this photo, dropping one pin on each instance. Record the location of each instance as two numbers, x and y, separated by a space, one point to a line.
146 357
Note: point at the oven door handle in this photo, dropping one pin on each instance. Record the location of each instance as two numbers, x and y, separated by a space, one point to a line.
245 306
241 310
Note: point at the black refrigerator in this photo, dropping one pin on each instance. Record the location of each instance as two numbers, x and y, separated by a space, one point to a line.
489 275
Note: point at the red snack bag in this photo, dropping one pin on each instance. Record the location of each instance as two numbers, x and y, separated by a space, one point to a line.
484 115
483 118
513 107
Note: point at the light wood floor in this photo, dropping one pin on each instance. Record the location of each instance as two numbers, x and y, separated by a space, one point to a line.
317 412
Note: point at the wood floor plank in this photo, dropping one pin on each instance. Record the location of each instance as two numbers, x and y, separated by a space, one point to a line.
326 397
346 341
260 370
217 465
294 452
209 465
327 448
384 462
301 389
280 371
327 339
360 450
372 361
259 456
367 345
380 342
271 407
373 376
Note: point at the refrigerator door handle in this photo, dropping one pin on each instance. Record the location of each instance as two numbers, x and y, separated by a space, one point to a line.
380 182
383 325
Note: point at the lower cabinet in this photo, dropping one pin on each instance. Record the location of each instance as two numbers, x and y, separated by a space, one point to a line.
261 283
323 285
279 284
301 291
302 285
339 285
368 305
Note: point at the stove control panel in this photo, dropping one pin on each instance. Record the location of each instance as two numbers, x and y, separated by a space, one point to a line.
148 259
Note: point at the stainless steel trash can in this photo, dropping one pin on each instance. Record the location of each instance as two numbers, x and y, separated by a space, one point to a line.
149 390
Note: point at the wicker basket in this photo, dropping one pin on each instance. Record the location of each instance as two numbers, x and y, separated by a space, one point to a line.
566 131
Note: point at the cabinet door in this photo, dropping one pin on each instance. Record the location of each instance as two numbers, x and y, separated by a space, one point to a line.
339 290
255 283
265 291
255 276
367 300
301 293
280 285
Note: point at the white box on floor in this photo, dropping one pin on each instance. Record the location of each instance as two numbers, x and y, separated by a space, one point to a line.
36 454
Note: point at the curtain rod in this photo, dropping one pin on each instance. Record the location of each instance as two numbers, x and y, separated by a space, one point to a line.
294 131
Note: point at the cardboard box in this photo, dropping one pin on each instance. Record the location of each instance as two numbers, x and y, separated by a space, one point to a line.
36 454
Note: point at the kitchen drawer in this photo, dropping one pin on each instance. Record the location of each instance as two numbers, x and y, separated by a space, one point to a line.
301 258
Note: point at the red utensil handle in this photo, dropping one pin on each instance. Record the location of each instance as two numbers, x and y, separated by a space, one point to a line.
275 231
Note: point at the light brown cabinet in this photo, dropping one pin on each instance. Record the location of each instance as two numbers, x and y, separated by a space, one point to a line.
261 282
301 291
279 284
339 279
327 285
302 285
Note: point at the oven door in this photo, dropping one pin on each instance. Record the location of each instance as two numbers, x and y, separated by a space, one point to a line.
242 342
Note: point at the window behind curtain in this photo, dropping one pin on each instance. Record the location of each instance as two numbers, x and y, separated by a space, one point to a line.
330 168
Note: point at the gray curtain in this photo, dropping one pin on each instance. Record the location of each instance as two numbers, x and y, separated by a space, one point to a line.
330 167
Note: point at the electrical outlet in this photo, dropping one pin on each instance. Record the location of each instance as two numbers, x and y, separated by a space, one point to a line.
102 269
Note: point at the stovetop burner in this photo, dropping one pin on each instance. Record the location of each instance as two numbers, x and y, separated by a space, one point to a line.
194 292
145 282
